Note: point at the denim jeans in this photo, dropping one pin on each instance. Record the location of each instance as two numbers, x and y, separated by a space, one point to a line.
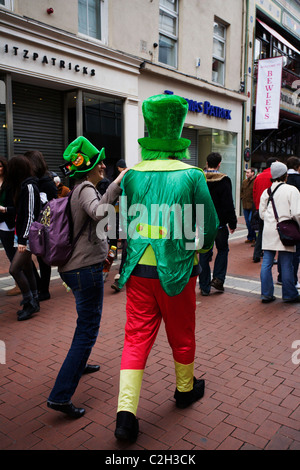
87 287
257 253
221 261
285 259
247 216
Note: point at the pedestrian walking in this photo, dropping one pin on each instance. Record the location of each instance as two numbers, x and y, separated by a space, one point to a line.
287 202
161 269
247 202
26 199
262 182
7 218
83 271
48 191
293 164
220 188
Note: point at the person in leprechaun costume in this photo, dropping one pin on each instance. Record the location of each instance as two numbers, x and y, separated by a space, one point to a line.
164 197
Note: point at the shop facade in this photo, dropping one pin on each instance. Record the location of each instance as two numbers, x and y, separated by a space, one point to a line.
55 86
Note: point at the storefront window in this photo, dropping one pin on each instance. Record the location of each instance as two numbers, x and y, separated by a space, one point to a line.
3 124
103 126
223 142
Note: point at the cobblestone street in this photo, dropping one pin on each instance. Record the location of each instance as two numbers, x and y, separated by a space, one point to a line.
244 352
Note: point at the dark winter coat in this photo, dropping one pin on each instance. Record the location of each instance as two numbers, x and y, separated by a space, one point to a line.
6 200
220 189
28 208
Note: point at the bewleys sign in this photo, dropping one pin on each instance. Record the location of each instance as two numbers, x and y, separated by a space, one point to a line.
268 93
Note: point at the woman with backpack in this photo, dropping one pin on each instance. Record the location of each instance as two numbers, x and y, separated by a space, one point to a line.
26 199
48 191
83 271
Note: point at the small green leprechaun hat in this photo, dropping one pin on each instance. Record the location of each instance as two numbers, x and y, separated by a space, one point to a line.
81 157
164 117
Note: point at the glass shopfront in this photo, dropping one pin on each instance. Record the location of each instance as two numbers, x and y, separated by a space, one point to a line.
223 142
49 119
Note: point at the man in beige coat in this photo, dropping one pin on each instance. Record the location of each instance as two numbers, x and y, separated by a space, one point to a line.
287 202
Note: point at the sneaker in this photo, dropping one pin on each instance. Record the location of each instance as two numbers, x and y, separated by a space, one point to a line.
185 399
217 284
127 426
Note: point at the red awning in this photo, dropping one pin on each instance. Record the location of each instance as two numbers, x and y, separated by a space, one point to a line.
278 36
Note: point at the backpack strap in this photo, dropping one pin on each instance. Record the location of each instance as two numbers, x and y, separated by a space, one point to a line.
80 232
87 221
271 198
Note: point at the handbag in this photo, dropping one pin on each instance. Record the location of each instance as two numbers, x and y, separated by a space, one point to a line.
288 229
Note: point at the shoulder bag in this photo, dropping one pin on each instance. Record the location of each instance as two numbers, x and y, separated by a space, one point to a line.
288 229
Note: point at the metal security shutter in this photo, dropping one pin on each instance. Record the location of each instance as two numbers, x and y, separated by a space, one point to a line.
193 148
38 122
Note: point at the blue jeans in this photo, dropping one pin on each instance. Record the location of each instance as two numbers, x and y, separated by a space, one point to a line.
87 287
221 261
247 216
285 259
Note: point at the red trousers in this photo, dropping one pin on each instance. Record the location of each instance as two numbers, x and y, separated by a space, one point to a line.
147 305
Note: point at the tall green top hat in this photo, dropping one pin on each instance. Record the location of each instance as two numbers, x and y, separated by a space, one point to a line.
164 117
81 156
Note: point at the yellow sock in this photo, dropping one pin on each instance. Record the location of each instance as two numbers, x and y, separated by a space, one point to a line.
129 392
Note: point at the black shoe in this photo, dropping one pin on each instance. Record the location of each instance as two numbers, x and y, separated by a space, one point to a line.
268 300
90 368
29 309
115 286
127 426
44 296
69 409
292 301
184 399
204 293
217 284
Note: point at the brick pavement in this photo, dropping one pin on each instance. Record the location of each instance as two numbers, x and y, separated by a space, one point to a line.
244 352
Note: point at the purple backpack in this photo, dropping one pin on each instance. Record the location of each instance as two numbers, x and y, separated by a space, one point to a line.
51 237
